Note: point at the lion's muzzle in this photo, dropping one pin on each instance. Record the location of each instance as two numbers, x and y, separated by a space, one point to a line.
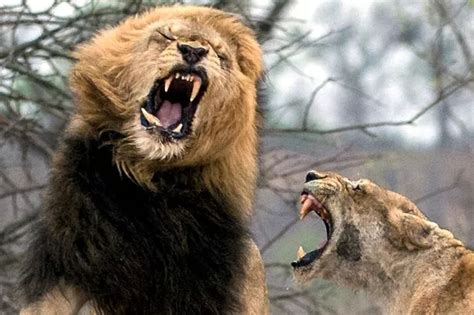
173 101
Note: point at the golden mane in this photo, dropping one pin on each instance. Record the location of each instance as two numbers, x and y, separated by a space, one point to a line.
116 70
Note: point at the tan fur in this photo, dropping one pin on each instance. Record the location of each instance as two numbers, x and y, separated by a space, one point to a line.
409 263
111 80
254 294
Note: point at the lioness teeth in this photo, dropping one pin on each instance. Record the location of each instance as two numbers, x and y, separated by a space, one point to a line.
310 203
196 86
178 128
306 208
300 253
168 83
150 118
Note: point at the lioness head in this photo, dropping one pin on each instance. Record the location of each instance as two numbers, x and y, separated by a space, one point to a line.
367 227
178 83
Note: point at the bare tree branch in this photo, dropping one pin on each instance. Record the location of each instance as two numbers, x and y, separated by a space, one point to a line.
455 184
365 127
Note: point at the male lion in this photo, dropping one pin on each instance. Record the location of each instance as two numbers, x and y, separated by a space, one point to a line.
379 241
152 186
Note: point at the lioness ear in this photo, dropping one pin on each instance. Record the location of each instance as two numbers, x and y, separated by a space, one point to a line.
411 232
417 231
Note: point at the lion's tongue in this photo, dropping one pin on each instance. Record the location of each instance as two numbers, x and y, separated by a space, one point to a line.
169 113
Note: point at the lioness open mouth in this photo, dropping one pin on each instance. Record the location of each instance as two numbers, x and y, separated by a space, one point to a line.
173 101
310 203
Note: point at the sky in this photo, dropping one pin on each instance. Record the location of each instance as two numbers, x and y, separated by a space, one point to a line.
386 84
399 81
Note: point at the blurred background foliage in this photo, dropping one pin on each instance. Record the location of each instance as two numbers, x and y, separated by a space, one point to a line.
378 89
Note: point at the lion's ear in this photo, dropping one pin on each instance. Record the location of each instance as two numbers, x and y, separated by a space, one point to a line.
250 58
411 232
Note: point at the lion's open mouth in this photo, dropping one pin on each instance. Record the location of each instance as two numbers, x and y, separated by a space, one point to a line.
173 101
310 203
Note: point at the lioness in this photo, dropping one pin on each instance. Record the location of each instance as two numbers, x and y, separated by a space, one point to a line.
379 241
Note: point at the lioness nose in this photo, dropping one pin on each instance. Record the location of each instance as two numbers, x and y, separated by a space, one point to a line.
192 54
312 175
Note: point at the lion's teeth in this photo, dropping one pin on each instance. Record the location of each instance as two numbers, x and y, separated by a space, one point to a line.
178 128
168 83
300 253
196 87
177 76
150 118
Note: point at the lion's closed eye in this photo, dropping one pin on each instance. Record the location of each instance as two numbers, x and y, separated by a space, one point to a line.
166 33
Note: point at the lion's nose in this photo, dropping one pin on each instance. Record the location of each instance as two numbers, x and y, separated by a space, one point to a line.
192 54
313 175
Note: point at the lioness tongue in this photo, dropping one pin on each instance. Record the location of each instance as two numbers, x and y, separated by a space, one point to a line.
169 113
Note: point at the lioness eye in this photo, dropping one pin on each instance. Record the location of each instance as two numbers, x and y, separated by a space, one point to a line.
356 186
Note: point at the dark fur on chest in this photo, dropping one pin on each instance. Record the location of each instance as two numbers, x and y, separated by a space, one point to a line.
133 251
